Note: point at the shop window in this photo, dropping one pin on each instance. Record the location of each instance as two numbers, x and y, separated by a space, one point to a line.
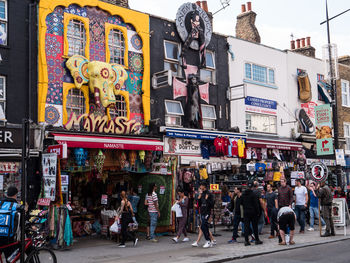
174 112
76 36
116 44
3 22
347 136
208 73
261 123
2 98
120 109
172 57
75 102
208 116
259 73
345 93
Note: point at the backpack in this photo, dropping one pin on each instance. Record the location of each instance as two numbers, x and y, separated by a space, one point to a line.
8 218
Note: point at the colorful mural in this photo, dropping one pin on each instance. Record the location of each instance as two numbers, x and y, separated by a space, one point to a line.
57 70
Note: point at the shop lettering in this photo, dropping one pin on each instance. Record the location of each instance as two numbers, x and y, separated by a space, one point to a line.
188 147
6 137
101 124
8 167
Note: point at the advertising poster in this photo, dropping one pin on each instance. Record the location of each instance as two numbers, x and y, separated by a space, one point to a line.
323 119
182 146
338 211
49 164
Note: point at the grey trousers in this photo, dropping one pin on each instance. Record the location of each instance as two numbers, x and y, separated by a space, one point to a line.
327 216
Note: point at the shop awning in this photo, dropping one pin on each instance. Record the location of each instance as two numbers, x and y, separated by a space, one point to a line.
274 144
104 142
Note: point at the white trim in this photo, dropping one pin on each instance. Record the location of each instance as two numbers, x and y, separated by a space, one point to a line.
173 113
346 93
267 73
213 56
209 106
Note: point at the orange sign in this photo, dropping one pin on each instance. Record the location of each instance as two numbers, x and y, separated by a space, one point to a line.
214 187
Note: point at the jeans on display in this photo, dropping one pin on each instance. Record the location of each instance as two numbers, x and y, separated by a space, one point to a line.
153 223
313 215
300 213
205 226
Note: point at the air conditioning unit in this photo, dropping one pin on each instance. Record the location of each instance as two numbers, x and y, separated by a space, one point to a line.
162 79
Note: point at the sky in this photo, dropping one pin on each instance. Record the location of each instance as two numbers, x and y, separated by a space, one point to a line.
276 19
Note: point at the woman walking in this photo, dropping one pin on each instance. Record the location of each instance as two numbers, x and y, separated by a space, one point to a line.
126 218
182 221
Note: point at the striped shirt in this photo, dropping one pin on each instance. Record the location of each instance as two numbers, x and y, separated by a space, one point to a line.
151 201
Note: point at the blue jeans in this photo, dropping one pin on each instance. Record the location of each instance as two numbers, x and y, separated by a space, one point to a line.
261 222
300 213
153 219
313 215
236 220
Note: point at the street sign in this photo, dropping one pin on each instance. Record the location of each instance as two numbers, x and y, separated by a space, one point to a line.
214 187
319 172
324 146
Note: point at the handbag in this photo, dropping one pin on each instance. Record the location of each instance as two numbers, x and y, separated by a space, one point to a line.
115 227
177 209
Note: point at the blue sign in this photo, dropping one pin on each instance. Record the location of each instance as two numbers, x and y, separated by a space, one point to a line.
202 135
261 103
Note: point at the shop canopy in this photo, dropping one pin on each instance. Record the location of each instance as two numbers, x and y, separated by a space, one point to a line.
105 142
274 144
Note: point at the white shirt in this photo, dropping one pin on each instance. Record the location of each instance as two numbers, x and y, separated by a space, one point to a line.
300 192
284 210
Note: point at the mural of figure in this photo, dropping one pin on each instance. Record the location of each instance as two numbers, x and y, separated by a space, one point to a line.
193 110
196 33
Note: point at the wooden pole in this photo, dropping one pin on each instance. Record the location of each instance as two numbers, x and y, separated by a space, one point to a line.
319 216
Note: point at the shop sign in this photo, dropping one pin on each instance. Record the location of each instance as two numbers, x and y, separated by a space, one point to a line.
12 138
59 149
324 161
214 187
340 157
101 124
162 190
9 167
182 146
319 172
323 121
297 175
309 108
338 211
260 105
104 199
44 201
49 165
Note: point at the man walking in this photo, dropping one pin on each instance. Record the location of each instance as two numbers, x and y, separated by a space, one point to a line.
237 218
272 207
286 219
325 194
251 207
301 199
285 195
206 203
314 207
261 219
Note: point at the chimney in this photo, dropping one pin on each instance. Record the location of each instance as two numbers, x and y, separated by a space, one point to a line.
204 6
122 3
292 44
245 26
345 60
306 50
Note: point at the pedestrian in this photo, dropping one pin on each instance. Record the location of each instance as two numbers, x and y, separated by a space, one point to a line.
313 209
301 199
206 203
225 197
262 207
134 200
272 208
339 193
325 194
182 221
285 194
151 201
236 206
126 219
286 220
251 208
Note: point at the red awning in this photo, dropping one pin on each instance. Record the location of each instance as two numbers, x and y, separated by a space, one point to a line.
103 142
274 144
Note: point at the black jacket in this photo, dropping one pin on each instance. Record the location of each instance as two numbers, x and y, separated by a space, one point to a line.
250 202
206 205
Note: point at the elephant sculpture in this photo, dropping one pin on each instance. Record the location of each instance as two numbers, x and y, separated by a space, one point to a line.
105 80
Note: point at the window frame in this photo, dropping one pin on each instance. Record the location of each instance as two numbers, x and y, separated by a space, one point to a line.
211 70
67 18
264 115
5 21
173 114
4 96
347 93
171 60
268 69
66 88
108 28
347 146
209 119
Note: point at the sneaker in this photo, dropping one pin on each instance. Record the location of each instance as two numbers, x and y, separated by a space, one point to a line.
247 244
122 245
207 244
175 239
148 238
258 242
195 244
186 239
324 227
304 121
301 232
154 240
253 240
311 229
213 242
135 242
232 241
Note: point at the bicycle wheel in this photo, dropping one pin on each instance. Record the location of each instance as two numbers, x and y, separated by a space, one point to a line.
41 255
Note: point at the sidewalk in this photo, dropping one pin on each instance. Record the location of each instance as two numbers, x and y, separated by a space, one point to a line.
104 251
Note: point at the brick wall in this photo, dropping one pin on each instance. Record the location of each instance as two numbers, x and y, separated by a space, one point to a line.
343 112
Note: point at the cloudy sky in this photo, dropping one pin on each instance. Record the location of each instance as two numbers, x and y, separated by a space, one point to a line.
276 19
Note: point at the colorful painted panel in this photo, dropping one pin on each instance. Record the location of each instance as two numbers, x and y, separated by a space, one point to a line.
133 84
54 94
53 115
135 62
135 103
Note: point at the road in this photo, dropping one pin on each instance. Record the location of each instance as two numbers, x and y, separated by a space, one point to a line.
337 252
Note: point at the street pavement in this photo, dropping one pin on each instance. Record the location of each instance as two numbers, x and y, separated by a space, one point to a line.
100 250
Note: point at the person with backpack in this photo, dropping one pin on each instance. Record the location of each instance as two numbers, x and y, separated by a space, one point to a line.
151 201
8 206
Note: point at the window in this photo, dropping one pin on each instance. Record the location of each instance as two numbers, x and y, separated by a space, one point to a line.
259 73
2 98
172 57
261 123
347 135
75 102
174 111
208 116
76 37
345 92
208 74
3 22
120 109
116 44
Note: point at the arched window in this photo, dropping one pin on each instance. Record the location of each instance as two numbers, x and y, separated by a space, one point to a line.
120 109
75 102
116 44
76 36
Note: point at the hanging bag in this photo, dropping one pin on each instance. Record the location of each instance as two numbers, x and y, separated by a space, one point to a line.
177 209
8 219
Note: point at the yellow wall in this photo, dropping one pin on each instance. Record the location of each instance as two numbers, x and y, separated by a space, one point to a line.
139 20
